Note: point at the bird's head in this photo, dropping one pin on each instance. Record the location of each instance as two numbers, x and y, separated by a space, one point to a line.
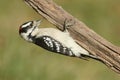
27 28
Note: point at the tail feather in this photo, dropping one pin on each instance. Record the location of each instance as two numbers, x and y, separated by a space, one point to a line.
83 56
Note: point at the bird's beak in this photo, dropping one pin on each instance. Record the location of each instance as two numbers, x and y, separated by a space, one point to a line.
38 22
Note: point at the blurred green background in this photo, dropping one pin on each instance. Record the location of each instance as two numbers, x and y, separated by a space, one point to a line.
20 60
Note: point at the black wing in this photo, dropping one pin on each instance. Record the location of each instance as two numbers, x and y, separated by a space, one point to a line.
53 45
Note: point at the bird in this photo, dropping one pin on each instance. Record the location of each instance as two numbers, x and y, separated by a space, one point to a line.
53 40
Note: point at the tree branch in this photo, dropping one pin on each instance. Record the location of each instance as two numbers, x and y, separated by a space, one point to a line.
85 37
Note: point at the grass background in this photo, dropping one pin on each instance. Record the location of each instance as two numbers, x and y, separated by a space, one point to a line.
20 60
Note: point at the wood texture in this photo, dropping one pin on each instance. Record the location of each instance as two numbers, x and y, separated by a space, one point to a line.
87 38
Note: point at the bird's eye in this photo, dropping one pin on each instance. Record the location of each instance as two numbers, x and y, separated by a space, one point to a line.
31 24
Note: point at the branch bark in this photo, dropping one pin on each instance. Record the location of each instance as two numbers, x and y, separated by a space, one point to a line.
87 38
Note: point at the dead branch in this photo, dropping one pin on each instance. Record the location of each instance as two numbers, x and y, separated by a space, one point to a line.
87 38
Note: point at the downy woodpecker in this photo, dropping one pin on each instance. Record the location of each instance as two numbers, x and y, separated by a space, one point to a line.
52 40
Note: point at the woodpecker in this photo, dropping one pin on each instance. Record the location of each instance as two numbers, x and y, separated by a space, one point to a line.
52 40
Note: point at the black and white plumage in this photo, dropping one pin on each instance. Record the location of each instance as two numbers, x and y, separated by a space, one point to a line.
51 44
52 39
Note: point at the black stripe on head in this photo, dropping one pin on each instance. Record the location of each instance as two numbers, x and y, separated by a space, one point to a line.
24 27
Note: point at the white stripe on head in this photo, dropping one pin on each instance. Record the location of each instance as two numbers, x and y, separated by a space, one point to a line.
26 24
